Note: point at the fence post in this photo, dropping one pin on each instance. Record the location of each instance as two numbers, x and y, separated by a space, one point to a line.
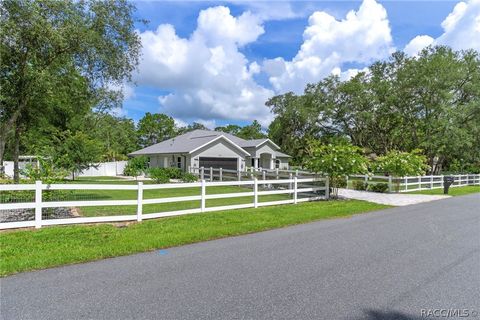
264 176
295 190
203 193
211 174
239 175
202 173
346 179
255 192
419 182
139 201
38 204
220 174
406 183
389 184
431 182
366 179
276 173
327 187
441 177
290 178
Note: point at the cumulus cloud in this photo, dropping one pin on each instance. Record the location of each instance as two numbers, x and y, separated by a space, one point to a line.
208 75
361 37
461 30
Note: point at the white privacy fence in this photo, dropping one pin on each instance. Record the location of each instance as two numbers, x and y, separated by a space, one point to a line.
416 183
296 190
104 169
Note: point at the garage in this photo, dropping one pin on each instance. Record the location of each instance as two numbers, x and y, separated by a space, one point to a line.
225 163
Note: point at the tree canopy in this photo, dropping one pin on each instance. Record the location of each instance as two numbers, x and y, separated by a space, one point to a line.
430 102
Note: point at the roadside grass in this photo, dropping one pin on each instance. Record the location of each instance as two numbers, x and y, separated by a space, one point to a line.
26 250
455 191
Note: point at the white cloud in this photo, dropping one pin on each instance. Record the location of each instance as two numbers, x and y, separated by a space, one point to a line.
208 76
461 30
362 37
417 44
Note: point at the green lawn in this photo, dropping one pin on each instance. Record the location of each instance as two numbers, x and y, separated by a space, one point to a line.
455 191
54 246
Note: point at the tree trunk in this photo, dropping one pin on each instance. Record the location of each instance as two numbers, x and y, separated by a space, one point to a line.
16 154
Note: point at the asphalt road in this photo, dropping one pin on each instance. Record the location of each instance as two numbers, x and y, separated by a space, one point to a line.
389 264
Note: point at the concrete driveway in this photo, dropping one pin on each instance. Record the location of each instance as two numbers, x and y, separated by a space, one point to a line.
398 263
391 199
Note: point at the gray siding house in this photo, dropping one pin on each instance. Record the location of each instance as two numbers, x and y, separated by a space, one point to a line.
204 148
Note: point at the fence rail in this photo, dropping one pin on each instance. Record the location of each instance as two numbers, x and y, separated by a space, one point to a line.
417 183
221 174
293 189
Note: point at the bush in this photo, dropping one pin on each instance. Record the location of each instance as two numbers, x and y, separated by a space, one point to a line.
159 175
136 166
188 177
378 187
359 185
173 173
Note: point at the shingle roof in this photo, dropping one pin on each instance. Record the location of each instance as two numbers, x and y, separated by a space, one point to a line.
194 139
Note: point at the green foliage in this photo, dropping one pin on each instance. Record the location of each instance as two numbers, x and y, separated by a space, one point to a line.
136 166
155 128
335 160
173 172
359 185
430 102
188 177
78 152
159 175
400 164
61 60
378 187
46 172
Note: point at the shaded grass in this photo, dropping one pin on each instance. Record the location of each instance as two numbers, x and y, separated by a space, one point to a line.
54 246
455 191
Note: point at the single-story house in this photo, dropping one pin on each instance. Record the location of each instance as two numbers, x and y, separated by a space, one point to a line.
205 148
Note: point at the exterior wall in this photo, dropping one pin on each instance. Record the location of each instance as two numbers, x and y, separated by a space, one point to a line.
169 160
283 163
218 149
265 148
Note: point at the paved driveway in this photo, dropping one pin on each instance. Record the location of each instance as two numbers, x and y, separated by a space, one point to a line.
389 264
391 199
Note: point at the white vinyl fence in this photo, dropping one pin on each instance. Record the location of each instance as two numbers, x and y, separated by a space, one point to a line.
104 169
299 190
416 183
220 174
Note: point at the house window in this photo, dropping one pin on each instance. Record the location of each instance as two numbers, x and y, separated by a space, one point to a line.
179 162
277 164
253 162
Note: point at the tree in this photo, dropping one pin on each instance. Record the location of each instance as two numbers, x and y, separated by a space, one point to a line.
337 160
401 164
155 128
253 131
51 50
431 102
118 135
78 152
230 128
191 127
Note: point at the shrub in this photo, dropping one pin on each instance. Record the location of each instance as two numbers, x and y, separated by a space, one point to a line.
188 177
359 185
159 175
136 166
173 173
378 187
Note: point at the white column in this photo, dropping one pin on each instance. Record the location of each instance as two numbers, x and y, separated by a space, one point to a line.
255 163
272 163
203 193
38 204
139 201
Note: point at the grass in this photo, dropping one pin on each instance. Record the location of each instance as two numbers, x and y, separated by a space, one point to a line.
54 246
455 191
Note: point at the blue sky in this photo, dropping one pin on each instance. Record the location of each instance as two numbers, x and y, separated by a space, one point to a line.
218 62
